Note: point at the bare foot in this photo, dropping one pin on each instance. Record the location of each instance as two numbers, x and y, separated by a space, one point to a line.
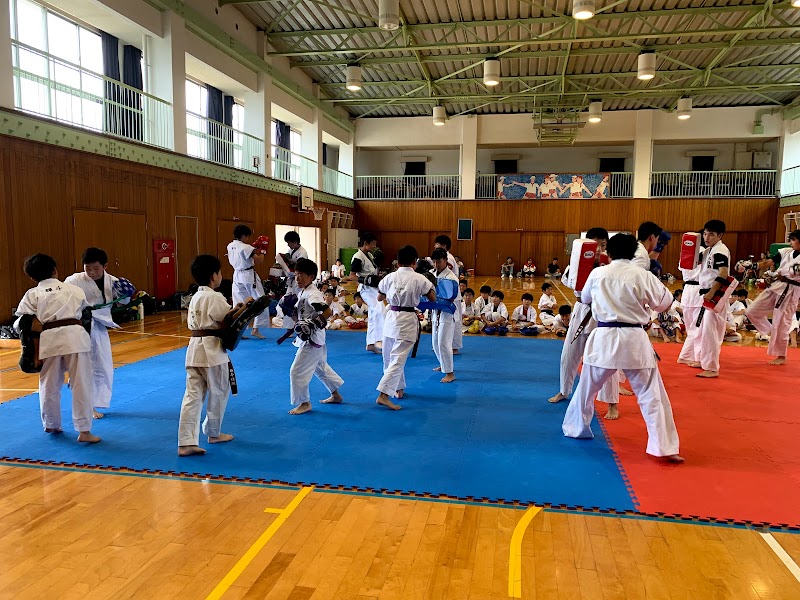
456 351
53 430
370 347
97 415
299 410
675 458
335 398
257 335
190 450
781 360
708 374
86 436
222 437
613 413
383 400
557 398
448 378
692 363
438 369
625 392
399 394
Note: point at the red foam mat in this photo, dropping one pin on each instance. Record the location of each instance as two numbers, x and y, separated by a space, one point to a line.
740 435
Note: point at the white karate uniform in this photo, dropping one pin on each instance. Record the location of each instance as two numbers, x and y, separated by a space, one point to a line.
458 333
782 316
523 318
400 329
246 281
62 349
338 271
102 361
737 321
370 297
480 304
642 257
443 325
206 369
547 303
558 325
691 301
618 293
359 312
712 327
312 356
493 313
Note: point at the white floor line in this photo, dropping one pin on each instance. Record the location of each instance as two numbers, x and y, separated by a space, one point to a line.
560 291
782 554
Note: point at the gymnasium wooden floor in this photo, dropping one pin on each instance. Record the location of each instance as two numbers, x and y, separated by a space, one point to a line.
76 533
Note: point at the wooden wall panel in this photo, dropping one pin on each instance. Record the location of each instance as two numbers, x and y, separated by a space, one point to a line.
42 185
755 217
781 226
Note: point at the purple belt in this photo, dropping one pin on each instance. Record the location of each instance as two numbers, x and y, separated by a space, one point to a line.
618 324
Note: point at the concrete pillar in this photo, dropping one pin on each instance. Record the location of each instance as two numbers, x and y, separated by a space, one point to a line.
6 66
168 73
468 159
347 153
258 120
312 148
788 181
643 153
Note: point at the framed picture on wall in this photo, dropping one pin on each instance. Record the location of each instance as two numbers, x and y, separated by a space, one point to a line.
464 229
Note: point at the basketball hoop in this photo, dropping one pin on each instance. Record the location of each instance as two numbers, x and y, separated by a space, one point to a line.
318 212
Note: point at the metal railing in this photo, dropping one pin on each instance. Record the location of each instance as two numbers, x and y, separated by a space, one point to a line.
293 167
713 184
211 140
53 87
409 187
790 181
336 182
486 186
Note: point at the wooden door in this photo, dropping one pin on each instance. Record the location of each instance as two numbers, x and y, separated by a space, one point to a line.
391 241
187 246
492 248
541 246
224 237
92 228
131 253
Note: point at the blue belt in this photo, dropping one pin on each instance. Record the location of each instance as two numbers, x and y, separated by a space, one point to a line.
618 324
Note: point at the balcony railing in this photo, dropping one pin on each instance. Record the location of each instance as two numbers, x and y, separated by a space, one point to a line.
293 167
713 184
336 182
224 145
486 186
790 181
53 87
408 187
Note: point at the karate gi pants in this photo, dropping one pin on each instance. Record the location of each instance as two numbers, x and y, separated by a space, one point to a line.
572 354
395 354
51 380
243 291
202 382
691 345
458 332
709 343
374 315
662 436
309 361
442 339
102 366
779 330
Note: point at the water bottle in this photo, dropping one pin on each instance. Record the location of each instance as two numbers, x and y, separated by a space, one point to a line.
141 312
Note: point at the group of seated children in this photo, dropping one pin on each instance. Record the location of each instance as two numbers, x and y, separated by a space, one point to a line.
527 270
489 314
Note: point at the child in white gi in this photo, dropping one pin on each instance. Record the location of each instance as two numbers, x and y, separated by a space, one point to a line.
617 295
483 300
470 313
560 324
358 309
312 353
547 305
364 269
98 285
207 363
336 320
443 321
403 289
781 299
524 315
338 269
64 346
246 281
339 292
794 329
495 314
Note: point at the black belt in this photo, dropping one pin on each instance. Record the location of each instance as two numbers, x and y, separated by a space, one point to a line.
691 283
547 311
789 281
403 308
785 293
704 291
618 324
60 323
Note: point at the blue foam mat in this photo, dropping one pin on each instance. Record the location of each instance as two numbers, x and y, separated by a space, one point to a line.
490 434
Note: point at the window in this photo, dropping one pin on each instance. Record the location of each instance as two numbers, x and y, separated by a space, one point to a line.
287 164
196 111
415 168
505 167
612 165
702 163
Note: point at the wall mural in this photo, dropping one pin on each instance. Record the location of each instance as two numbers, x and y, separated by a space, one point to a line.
530 186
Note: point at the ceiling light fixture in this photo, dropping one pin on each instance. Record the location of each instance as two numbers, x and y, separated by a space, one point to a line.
595 111
685 108
582 9
491 71
353 78
389 14
646 66
439 115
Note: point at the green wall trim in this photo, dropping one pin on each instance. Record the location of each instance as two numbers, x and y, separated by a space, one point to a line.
790 201
36 129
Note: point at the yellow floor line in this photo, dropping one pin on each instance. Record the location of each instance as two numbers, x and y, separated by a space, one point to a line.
259 544
515 553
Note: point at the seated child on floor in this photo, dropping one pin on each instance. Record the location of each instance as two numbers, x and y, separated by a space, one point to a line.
547 304
553 270
528 269
495 314
524 315
483 300
336 320
358 309
736 308
793 329
339 292
560 324
470 313
670 324
507 268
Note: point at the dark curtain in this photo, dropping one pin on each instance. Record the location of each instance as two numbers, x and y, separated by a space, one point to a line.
112 117
227 119
324 155
132 76
282 167
215 112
